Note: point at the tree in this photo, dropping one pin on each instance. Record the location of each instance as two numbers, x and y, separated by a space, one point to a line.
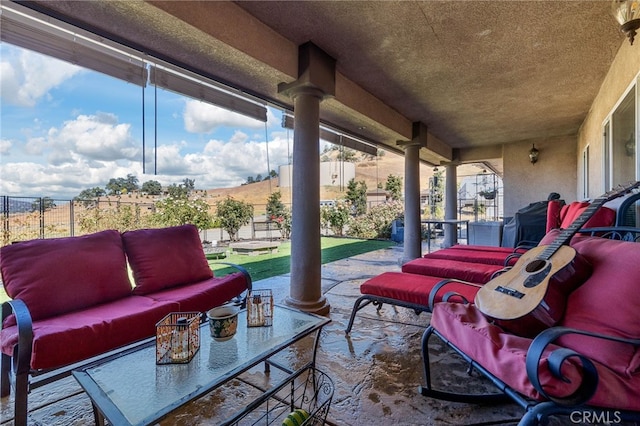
347 154
43 204
394 187
436 194
189 184
357 196
152 187
279 213
91 193
232 214
177 191
179 210
118 186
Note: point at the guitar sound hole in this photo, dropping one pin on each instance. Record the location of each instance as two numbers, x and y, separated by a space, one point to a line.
535 266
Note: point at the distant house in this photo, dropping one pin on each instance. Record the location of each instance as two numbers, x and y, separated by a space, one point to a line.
376 196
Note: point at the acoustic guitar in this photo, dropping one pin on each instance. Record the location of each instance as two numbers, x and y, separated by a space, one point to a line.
531 296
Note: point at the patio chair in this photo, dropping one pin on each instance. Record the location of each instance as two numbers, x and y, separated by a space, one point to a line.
586 367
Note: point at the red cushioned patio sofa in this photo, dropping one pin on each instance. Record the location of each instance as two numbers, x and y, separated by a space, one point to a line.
72 299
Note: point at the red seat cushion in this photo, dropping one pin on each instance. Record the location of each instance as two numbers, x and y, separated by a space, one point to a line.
488 257
60 275
204 295
505 250
465 271
79 335
411 288
608 302
166 257
504 356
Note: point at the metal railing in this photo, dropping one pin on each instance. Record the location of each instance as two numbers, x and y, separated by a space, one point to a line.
27 218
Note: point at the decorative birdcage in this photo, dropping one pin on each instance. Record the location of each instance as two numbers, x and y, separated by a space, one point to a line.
177 337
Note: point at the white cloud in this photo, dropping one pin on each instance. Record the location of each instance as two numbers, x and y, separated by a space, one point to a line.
202 117
97 137
26 76
59 182
60 161
5 146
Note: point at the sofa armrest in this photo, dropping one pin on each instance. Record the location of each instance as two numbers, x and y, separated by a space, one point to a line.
22 352
587 388
449 294
242 301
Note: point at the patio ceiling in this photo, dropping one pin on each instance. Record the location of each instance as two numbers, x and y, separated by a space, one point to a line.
479 74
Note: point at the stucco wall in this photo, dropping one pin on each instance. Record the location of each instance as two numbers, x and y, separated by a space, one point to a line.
623 72
555 171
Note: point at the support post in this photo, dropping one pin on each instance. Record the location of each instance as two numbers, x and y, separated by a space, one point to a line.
450 205
412 225
316 81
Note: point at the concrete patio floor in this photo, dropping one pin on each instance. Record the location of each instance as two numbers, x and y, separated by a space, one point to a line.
376 370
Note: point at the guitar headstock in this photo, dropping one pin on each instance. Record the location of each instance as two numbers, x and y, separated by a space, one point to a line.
620 190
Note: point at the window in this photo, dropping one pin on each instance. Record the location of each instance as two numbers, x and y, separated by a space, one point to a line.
621 141
585 171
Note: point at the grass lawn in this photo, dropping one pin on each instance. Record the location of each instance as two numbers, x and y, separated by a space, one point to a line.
272 264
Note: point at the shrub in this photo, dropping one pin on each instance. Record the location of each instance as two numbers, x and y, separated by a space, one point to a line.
180 210
377 222
279 213
335 217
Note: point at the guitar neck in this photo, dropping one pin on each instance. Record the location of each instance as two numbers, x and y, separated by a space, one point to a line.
569 232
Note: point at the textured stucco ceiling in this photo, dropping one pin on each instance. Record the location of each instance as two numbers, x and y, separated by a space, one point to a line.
477 73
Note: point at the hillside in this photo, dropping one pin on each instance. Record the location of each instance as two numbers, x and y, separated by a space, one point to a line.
371 172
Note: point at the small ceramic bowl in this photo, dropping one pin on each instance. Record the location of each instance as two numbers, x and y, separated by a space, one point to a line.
223 322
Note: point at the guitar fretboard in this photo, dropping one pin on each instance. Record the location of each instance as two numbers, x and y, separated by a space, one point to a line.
566 234
570 231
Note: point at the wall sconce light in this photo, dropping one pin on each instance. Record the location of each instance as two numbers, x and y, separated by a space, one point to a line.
533 154
627 13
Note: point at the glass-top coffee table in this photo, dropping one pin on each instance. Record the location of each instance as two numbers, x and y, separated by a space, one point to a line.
130 389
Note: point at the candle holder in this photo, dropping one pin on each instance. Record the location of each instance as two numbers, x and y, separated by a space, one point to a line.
260 308
177 337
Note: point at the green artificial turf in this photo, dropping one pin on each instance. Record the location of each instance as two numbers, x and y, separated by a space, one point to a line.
268 265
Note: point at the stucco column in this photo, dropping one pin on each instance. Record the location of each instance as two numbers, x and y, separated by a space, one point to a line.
412 225
316 80
450 204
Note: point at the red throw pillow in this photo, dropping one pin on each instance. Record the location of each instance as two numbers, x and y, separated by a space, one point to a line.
59 275
165 257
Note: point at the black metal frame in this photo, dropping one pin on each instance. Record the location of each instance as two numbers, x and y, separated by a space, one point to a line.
536 412
16 371
622 233
623 211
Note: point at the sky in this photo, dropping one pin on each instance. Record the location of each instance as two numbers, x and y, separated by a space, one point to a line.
65 129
